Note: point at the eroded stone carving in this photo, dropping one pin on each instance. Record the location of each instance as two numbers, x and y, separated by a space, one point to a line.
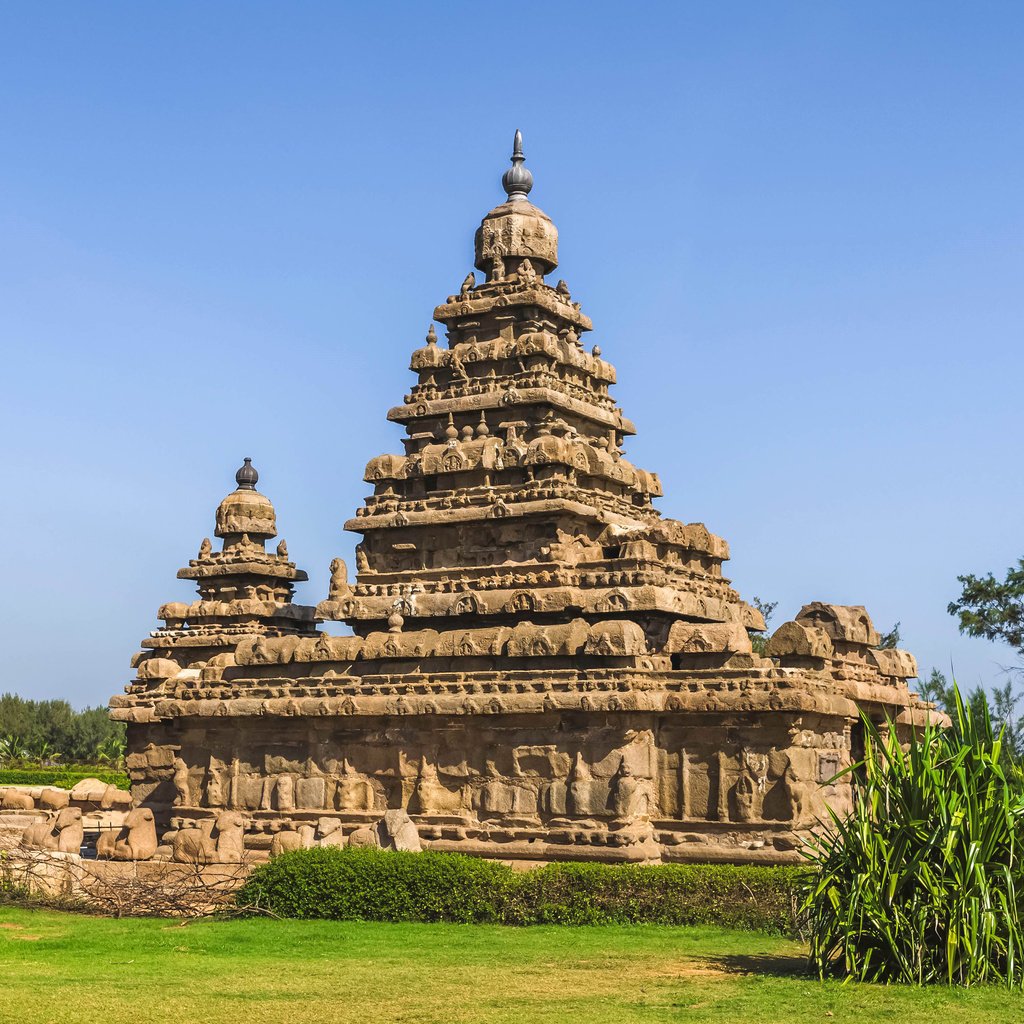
215 841
63 832
15 800
136 840
395 831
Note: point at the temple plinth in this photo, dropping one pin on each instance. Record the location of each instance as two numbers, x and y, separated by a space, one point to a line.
542 666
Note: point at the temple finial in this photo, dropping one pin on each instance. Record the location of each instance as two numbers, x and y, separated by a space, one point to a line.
517 180
247 477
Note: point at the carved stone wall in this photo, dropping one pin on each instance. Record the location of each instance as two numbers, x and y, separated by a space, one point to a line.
616 786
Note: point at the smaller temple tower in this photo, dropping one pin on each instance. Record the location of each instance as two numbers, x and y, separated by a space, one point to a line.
245 593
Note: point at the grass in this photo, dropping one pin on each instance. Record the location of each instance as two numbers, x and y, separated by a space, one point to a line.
65 969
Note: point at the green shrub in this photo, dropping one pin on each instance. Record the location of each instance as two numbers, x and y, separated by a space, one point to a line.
64 776
371 885
923 882
723 894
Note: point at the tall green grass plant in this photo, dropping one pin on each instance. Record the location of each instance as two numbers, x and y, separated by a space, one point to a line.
923 881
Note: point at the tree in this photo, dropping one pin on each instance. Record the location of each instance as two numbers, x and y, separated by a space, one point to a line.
992 609
890 640
759 640
46 727
1004 712
937 689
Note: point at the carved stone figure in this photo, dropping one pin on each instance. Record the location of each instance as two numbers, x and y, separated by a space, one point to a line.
430 795
63 832
496 796
329 832
583 800
365 837
630 797
54 799
285 792
747 803
260 650
526 274
796 794
339 580
214 787
136 840
222 843
301 838
182 796
13 800
398 832
355 792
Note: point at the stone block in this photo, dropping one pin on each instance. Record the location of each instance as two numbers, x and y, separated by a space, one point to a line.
796 640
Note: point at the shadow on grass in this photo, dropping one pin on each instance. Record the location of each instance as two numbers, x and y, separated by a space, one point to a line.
776 966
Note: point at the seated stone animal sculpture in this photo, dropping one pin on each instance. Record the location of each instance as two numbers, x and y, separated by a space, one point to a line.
292 839
135 841
398 832
114 799
63 833
330 833
52 799
89 791
16 800
395 831
222 844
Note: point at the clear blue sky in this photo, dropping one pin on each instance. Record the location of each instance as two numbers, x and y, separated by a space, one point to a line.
798 227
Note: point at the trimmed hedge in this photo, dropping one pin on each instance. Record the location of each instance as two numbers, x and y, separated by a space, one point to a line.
64 777
371 885
747 896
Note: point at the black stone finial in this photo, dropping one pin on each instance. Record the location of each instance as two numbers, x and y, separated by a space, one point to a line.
247 477
517 180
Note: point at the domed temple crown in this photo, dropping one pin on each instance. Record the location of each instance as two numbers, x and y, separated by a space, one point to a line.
245 510
516 229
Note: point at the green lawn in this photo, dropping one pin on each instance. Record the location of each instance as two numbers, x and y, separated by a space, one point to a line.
58 968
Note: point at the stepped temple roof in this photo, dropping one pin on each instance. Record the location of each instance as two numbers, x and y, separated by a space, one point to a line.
541 664
244 590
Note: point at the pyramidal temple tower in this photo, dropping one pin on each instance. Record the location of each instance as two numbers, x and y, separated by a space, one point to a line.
542 666
244 590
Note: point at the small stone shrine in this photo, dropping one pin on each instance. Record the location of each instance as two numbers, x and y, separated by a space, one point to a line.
542 666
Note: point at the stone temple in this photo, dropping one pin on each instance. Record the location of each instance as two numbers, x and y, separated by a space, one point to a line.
542 666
